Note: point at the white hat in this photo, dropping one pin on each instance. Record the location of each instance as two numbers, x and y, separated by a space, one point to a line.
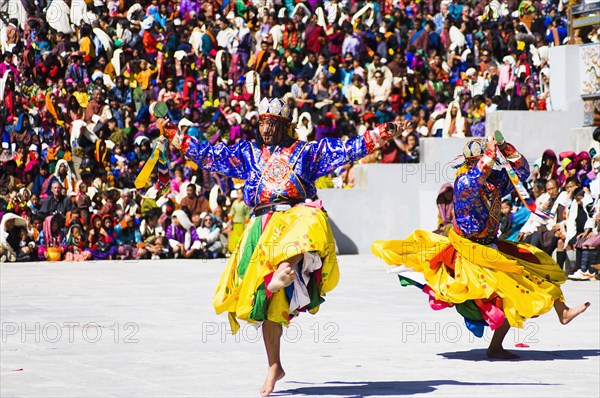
184 122
147 23
177 22
162 201
97 75
235 116
91 192
464 55
33 148
509 86
470 71
423 130
510 60
151 193
140 139
180 54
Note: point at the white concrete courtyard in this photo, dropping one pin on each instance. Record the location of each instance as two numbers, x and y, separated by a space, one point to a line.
149 329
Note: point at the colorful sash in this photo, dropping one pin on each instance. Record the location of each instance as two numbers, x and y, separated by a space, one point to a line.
521 191
158 155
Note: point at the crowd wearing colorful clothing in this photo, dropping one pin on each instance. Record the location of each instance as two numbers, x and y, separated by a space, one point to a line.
77 79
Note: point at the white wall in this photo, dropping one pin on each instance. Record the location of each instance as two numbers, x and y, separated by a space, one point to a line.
533 132
395 200
564 78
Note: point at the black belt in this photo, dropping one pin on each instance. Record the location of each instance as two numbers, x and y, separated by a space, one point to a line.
266 209
484 241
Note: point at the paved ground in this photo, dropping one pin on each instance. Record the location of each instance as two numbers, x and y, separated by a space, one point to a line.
148 329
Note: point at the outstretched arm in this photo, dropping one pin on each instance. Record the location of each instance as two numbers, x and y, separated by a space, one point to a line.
519 165
232 161
328 154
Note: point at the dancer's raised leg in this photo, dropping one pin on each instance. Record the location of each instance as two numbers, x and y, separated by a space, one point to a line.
284 275
566 314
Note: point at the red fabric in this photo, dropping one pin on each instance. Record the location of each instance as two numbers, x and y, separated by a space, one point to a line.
491 311
149 42
446 257
267 281
517 252
313 36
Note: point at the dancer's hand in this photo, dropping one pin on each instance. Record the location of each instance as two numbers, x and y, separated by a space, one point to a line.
399 127
491 143
160 123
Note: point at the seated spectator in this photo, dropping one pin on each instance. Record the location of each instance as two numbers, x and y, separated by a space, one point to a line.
182 236
129 239
102 245
209 232
76 245
127 204
161 249
57 202
11 236
534 222
195 203
52 236
379 88
24 245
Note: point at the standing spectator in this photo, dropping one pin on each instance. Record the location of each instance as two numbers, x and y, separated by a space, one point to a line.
445 209
239 214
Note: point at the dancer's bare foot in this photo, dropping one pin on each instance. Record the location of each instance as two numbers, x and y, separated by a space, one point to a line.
275 374
566 314
282 277
500 353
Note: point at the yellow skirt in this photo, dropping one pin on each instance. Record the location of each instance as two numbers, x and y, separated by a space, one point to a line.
234 236
267 241
517 280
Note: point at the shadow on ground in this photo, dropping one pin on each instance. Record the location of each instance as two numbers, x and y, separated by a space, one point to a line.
344 244
526 355
382 388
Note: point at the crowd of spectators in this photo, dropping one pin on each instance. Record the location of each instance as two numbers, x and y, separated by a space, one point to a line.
77 78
